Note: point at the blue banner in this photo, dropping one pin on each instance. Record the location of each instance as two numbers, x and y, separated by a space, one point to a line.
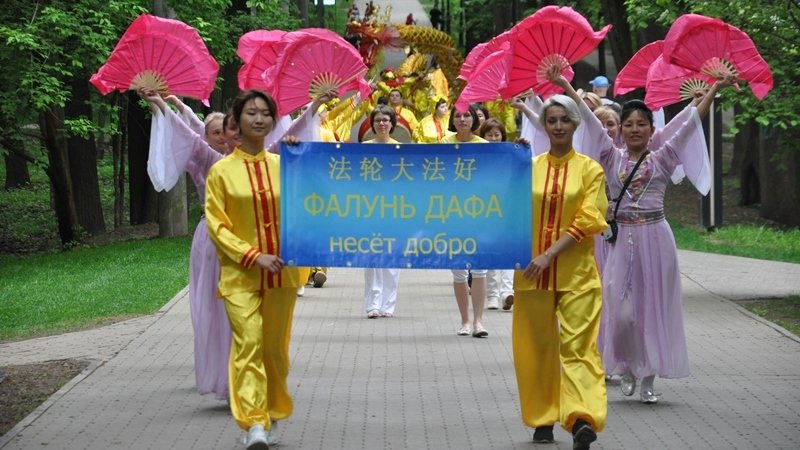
432 206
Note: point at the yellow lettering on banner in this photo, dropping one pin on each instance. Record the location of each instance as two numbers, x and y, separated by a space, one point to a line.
433 202
474 206
440 245
402 172
339 169
336 243
366 245
407 210
433 170
371 169
314 204
473 243
392 206
350 244
494 207
370 206
454 207
412 247
334 206
355 200
464 168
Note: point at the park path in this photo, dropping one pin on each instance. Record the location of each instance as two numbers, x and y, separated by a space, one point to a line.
410 382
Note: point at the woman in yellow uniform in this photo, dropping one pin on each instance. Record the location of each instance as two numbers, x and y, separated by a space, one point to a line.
243 217
433 127
557 298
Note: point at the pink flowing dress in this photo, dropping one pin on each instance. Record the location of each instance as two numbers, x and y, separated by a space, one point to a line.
642 322
177 146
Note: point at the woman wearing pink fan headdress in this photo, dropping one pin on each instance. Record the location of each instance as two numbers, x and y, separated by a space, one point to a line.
643 312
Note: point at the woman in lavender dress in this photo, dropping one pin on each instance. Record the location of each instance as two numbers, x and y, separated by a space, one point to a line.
643 302
181 143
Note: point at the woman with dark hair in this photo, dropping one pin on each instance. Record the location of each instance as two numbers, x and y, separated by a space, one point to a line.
481 111
464 124
433 127
643 302
259 292
558 298
380 285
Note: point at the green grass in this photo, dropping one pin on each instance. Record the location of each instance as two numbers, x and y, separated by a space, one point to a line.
783 311
53 293
741 240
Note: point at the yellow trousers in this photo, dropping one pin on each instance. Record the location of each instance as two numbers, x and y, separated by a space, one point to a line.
261 323
560 375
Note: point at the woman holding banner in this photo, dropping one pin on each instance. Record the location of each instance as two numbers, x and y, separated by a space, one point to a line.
557 298
243 217
380 285
464 124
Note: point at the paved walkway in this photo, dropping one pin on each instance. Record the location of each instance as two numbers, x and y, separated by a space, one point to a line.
410 382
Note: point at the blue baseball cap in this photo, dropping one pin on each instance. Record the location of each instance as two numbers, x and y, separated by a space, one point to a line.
600 81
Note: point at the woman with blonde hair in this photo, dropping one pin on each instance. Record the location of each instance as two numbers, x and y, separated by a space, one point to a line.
557 297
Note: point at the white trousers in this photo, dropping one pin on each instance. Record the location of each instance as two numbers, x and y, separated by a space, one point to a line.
380 289
499 283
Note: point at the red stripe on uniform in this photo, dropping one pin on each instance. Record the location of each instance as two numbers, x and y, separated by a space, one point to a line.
275 228
554 267
257 219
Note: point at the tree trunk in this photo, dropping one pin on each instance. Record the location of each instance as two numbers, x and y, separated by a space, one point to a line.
745 139
51 122
17 174
173 214
620 35
320 14
118 156
780 183
143 198
302 5
83 164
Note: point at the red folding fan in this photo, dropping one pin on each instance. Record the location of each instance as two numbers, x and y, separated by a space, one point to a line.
161 54
713 47
551 36
482 50
488 77
634 74
258 50
312 63
668 84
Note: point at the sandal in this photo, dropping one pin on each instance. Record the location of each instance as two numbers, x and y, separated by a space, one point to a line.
464 331
480 332
374 314
387 314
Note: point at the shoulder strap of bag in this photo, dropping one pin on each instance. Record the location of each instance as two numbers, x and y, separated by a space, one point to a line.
628 182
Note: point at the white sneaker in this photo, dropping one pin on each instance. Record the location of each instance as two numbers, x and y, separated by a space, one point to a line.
301 291
272 434
492 303
257 438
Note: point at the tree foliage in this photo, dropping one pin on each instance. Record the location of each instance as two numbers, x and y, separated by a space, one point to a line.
775 29
52 46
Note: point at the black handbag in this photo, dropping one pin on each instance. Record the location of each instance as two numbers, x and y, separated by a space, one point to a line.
610 233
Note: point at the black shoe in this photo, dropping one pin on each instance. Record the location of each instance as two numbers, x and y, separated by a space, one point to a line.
582 435
543 435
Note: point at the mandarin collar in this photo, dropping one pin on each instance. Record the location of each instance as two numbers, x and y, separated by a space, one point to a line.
557 161
244 155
